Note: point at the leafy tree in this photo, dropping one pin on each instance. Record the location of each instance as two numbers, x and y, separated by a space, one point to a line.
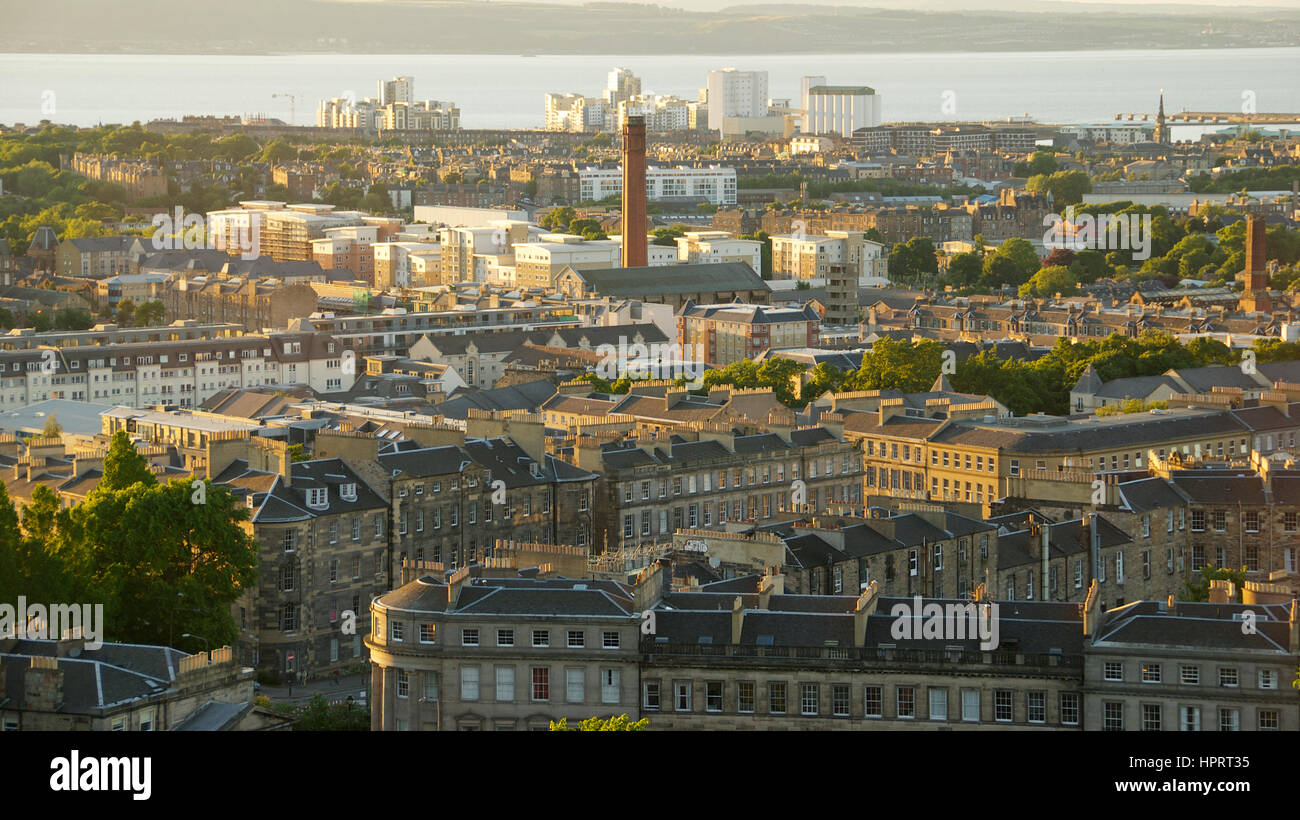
124 466
558 219
1066 187
873 235
765 251
914 260
1131 406
318 715
74 319
1040 163
1012 263
908 366
126 312
150 313
667 237
1200 590
622 723
964 270
298 452
52 427
1049 281
41 515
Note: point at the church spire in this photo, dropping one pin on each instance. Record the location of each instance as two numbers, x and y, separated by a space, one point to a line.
1162 131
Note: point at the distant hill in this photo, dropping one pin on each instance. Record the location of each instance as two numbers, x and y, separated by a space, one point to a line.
461 27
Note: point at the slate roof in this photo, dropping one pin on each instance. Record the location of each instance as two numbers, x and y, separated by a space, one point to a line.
666 280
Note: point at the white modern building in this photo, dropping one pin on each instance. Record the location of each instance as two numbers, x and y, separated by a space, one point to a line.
718 247
840 109
397 90
715 183
733 93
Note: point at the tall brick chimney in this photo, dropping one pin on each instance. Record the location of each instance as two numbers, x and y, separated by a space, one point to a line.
1256 245
634 208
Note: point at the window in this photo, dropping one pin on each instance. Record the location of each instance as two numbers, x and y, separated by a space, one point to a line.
541 683
505 637
574 686
1036 707
808 699
426 633
1191 721
541 637
1269 720
873 701
1189 675
840 700
1112 717
650 696
745 697
609 640
776 698
1002 705
1228 676
469 683
1220 521
682 695
938 704
146 720
1150 717
1070 708
906 700
395 629
469 637
609 686
1229 720
577 639
1267 679
713 696
1150 673
1252 521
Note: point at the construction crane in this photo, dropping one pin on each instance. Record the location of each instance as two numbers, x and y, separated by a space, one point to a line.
292 105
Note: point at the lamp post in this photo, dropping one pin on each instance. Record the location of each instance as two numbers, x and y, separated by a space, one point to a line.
200 637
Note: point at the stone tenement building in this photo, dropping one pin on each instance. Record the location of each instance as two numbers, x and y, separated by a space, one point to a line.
656 484
744 654
60 685
471 652
442 484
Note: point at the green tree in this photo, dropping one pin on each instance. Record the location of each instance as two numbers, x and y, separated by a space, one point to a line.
41 515
1066 187
150 313
126 312
124 466
1050 281
765 251
913 261
873 235
1200 590
318 715
298 452
52 427
622 723
557 219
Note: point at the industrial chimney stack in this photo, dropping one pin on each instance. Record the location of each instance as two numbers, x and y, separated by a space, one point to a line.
634 208
1256 244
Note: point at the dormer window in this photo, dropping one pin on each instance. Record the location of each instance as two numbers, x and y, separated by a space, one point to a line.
318 498
535 469
348 492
